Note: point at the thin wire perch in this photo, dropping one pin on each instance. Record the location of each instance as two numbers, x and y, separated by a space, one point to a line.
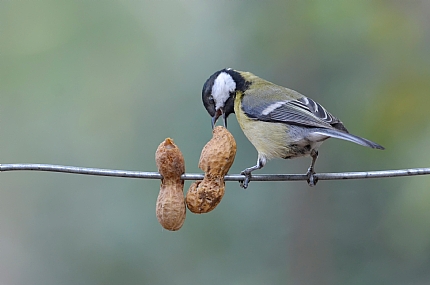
229 177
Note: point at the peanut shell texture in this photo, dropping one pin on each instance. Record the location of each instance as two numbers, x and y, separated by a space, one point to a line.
216 159
218 154
170 207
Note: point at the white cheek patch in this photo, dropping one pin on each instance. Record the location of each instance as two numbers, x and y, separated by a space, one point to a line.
223 85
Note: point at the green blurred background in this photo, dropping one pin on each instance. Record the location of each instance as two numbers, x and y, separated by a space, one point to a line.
102 83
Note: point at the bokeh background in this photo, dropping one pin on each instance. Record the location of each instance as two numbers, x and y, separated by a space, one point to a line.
102 83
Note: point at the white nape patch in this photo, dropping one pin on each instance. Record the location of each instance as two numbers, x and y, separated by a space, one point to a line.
223 85
272 107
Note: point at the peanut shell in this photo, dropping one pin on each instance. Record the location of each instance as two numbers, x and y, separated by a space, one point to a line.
170 161
170 207
204 196
215 160
218 154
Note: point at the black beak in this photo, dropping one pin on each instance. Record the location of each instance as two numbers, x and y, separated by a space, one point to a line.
224 120
218 113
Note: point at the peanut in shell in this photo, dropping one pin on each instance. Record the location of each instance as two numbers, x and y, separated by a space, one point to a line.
170 207
216 159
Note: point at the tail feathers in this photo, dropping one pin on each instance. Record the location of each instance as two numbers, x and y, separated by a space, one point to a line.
348 137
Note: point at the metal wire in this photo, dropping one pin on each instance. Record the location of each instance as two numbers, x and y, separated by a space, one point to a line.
229 177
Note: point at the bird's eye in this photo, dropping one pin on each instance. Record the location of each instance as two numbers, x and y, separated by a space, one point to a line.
211 98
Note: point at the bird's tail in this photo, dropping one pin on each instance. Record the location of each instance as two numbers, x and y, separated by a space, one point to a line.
348 137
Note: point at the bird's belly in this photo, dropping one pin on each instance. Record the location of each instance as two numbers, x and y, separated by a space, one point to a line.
277 140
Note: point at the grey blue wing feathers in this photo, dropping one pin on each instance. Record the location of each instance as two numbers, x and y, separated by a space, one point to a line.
300 111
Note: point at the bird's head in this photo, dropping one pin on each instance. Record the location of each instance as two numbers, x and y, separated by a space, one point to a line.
219 92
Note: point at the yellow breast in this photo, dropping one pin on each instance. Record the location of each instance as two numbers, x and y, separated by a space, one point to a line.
268 138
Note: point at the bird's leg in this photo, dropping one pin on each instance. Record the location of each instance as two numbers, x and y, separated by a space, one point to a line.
261 161
312 180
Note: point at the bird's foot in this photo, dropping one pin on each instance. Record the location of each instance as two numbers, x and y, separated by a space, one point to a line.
244 183
312 179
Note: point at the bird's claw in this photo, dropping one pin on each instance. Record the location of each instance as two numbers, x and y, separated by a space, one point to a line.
312 179
244 183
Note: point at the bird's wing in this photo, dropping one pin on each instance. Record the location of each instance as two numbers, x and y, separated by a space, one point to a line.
289 109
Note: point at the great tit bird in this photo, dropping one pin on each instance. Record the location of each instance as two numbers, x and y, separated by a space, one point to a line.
279 122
